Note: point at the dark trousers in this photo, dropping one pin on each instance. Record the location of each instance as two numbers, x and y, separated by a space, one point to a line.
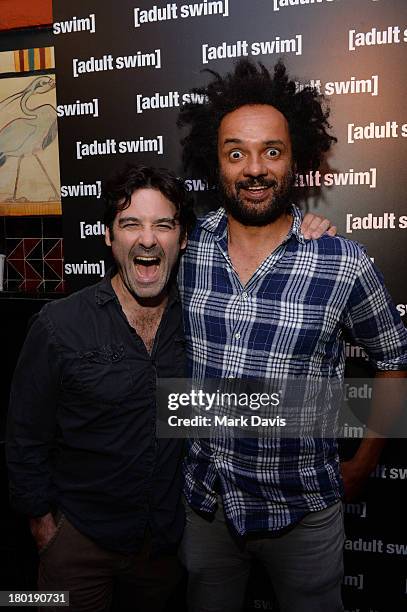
72 562
305 564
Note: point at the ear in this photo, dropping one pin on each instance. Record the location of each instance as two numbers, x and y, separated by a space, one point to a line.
108 241
184 242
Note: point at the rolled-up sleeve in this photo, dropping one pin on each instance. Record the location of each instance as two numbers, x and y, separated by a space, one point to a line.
373 321
31 422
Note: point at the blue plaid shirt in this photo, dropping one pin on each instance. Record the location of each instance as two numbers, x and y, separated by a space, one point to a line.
289 319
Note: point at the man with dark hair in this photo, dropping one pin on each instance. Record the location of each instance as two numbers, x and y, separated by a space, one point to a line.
262 302
102 492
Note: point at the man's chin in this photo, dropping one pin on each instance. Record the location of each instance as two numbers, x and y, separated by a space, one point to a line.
257 213
256 210
145 291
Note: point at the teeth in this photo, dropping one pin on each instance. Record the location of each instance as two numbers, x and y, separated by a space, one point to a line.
257 188
147 260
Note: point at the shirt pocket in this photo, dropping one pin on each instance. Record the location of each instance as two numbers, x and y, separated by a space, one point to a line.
103 373
318 327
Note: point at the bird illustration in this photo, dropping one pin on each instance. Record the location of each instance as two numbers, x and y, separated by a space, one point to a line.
29 135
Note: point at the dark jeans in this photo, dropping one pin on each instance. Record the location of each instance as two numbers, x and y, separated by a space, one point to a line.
304 564
72 562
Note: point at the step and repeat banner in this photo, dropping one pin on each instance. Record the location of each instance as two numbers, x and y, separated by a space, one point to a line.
124 69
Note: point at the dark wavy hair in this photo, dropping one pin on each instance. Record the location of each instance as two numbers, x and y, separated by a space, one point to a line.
305 111
117 192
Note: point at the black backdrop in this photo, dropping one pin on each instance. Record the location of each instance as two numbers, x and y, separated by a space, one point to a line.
354 51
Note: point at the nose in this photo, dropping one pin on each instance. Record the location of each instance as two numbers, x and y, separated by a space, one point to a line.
255 166
147 238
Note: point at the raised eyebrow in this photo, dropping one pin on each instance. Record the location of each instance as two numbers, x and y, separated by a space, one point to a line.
232 141
267 143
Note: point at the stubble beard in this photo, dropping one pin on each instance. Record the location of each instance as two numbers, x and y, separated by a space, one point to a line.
141 292
259 214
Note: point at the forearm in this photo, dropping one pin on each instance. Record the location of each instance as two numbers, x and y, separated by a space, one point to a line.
30 481
373 323
388 403
32 423
387 407
368 454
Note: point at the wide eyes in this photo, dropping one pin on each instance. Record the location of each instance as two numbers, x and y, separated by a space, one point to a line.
235 155
270 153
273 153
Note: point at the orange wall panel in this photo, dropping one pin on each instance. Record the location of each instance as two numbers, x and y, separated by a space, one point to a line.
25 13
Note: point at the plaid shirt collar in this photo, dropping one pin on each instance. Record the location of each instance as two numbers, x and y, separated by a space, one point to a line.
217 224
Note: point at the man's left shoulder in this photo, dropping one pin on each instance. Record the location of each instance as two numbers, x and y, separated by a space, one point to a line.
336 257
336 246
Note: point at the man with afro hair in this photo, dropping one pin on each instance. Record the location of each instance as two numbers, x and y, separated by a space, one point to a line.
262 302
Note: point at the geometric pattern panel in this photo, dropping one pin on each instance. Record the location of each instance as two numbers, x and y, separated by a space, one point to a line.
34 265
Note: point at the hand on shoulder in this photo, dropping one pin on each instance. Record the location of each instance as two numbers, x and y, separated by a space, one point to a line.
314 226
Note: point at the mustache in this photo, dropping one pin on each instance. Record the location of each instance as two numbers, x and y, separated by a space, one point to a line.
255 182
141 251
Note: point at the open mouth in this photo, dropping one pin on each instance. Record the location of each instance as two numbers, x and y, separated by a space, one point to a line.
256 193
255 190
147 268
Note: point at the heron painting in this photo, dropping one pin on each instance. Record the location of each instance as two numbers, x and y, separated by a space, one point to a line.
29 167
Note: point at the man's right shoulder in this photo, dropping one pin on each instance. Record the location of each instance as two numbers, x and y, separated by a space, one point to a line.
68 309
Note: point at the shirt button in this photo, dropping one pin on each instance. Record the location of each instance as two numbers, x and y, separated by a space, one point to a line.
244 295
237 335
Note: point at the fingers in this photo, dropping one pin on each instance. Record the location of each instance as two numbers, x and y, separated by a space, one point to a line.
314 226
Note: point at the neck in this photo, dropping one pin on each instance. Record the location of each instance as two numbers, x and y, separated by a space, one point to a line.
23 104
251 237
135 305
